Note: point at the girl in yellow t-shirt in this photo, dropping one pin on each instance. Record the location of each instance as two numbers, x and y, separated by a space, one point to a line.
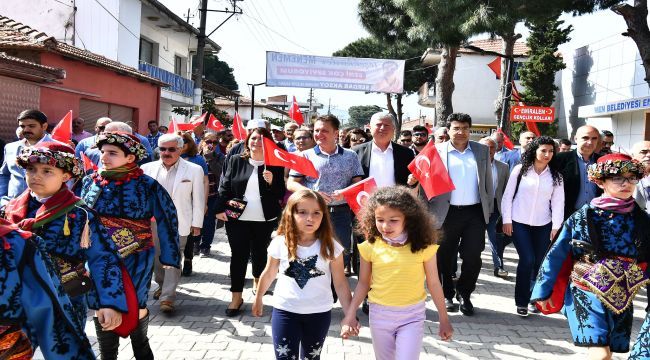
397 256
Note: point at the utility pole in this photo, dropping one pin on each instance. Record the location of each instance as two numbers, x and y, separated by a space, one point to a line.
200 53
329 105
253 98
200 49
311 98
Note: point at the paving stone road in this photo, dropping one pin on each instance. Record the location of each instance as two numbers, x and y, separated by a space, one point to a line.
200 330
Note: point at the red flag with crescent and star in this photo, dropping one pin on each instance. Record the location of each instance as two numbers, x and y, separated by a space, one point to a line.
432 174
357 194
275 156
215 124
238 129
295 114
63 130
198 120
89 165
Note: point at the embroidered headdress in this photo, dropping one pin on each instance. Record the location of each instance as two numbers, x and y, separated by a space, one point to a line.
125 141
614 165
51 153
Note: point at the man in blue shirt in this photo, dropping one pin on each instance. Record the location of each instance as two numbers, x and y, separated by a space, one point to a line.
337 169
154 134
33 124
513 157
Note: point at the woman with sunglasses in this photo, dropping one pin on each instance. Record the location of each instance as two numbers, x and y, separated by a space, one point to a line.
190 152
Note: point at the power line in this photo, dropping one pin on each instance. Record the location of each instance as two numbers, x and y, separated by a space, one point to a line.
285 14
269 37
118 20
280 35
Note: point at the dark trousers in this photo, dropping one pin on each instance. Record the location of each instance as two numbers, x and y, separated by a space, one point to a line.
341 219
498 241
210 224
299 332
464 228
188 251
531 243
247 239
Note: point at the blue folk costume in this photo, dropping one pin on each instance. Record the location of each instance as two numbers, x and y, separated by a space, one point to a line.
598 263
72 236
126 200
34 311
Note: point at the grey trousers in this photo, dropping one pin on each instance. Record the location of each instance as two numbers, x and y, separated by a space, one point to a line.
167 279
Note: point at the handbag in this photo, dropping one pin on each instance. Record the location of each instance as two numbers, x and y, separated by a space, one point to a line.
235 207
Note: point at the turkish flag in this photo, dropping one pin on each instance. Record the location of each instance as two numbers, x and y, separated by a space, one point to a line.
495 66
294 112
238 129
198 120
63 130
506 140
428 168
215 124
357 194
172 127
275 156
89 165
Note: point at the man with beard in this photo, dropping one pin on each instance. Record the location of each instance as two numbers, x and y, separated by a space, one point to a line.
641 152
420 138
78 132
12 177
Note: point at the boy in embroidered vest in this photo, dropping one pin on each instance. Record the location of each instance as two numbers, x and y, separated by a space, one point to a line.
598 262
126 200
32 314
72 235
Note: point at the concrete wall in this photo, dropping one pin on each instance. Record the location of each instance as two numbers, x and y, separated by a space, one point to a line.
170 43
129 40
54 18
96 30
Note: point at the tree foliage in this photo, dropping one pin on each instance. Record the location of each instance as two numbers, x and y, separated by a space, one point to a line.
360 115
219 72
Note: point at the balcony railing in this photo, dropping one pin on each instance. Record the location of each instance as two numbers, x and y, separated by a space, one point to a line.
178 83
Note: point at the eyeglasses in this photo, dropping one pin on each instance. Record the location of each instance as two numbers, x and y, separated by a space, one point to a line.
167 149
211 141
301 138
421 134
620 180
101 128
405 140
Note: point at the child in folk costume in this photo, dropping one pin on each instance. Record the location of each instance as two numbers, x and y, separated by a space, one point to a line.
601 253
34 310
397 259
71 233
125 200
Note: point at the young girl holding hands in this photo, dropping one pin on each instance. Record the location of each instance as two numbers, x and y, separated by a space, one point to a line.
397 256
307 258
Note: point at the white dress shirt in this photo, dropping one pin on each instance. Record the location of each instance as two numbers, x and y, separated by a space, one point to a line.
253 210
166 177
382 165
495 179
463 172
538 201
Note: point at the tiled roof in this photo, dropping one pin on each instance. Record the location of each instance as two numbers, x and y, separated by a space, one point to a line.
496 45
14 35
55 72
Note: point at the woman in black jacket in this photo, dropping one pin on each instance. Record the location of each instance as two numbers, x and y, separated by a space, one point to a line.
261 188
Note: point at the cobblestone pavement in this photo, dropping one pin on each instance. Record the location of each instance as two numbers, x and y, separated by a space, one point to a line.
200 330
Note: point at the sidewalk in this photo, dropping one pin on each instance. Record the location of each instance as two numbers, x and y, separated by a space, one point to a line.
200 330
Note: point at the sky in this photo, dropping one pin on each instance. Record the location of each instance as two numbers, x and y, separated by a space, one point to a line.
312 27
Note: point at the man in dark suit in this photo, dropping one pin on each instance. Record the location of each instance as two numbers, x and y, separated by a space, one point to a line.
578 190
382 158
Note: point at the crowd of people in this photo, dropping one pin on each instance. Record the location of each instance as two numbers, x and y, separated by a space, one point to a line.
90 227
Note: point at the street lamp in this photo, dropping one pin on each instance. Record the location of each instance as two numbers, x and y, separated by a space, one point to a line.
253 98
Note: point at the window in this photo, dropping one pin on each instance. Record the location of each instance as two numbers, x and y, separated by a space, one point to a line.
178 65
146 51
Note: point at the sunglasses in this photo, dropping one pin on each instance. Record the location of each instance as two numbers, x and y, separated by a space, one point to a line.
420 134
211 142
101 128
302 138
167 149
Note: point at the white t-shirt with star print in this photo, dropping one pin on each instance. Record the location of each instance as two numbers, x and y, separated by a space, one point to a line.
303 285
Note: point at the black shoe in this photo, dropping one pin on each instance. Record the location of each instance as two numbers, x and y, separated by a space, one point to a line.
205 253
466 306
234 312
500 273
187 268
451 307
365 307
197 248
522 311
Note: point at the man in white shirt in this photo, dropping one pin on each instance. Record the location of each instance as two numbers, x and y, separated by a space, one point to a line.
464 212
641 152
184 183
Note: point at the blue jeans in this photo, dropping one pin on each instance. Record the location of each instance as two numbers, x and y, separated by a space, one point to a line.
498 241
531 243
209 224
299 336
342 224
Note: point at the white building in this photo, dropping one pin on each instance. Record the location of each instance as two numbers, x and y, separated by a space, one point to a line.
143 34
603 84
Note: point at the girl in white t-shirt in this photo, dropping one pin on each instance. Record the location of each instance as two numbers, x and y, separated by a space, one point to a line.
306 260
